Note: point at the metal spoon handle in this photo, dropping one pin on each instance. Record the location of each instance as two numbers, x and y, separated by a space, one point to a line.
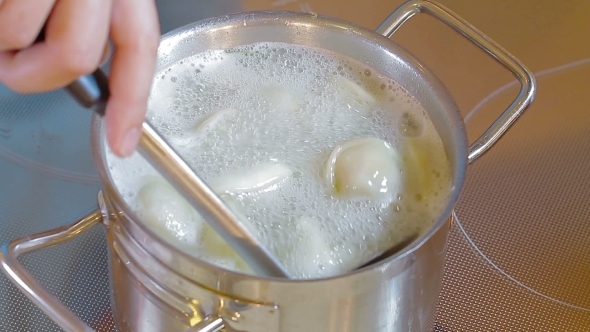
154 149
92 92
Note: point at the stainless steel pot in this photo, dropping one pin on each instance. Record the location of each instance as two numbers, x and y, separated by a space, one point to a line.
156 287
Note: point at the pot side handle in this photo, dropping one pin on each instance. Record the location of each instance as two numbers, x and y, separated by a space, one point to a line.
34 291
28 285
524 76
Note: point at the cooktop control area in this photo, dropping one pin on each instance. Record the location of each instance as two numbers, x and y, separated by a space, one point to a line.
518 253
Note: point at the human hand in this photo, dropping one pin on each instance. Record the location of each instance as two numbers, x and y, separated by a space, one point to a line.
76 35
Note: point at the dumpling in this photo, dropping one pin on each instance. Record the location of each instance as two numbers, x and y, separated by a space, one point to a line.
263 177
358 98
358 92
167 213
307 252
367 167
221 252
279 98
204 126
212 121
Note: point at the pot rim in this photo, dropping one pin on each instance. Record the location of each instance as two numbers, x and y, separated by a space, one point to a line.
426 75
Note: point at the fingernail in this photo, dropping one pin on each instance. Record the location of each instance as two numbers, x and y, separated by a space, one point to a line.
130 141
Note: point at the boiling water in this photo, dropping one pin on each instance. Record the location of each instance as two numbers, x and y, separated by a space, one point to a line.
327 161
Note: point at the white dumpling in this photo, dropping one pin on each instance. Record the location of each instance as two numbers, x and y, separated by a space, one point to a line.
280 98
361 98
212 122
262 177
170 215
167 213
307 252
367 167
354 88
215 246
221 253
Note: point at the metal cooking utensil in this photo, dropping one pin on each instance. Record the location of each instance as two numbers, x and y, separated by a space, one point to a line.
92 92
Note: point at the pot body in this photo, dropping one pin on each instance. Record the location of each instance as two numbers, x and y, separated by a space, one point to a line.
148 296
157 287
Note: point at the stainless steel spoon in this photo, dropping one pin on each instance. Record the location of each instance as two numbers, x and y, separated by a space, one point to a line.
92 92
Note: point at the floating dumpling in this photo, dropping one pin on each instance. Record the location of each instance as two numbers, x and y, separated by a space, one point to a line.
203 126
354 88
367 167
211 122
307 249
263 177
280 98
214 245
361 98
168 213
171 216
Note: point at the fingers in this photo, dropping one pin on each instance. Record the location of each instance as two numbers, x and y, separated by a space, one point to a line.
135 33
21 21
75 38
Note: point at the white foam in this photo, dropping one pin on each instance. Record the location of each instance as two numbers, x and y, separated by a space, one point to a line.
290 110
